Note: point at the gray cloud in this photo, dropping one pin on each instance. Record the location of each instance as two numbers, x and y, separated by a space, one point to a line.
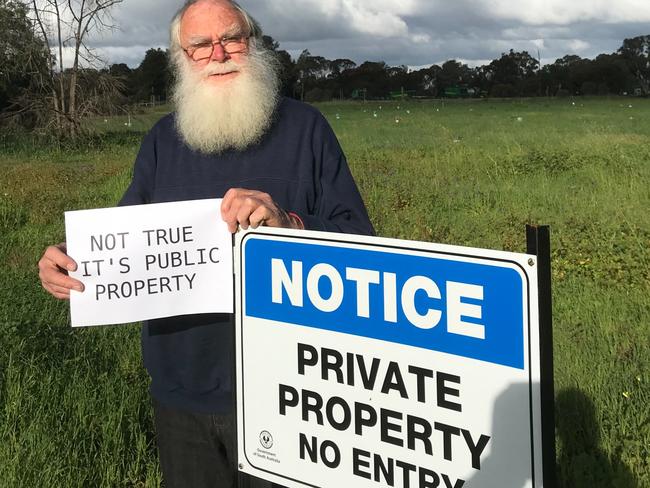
409 32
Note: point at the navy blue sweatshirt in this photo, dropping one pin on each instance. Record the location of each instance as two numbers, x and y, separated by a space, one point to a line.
301 165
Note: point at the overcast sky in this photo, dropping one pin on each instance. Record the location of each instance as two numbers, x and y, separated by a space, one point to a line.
406 32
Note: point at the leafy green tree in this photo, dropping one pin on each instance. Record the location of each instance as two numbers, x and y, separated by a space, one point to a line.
513 73
120 70
424 81
559 77
312 67
452 73
370 76
636 53
23 55
340 65
514 67
151 79
311 70
611 74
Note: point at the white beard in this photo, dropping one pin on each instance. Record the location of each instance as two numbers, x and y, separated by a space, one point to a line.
230 115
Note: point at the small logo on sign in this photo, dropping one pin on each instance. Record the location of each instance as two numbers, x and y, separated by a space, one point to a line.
266 439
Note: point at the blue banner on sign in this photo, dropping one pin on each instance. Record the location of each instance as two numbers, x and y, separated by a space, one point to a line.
457 307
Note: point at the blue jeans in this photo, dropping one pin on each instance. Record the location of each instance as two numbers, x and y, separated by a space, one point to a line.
199 450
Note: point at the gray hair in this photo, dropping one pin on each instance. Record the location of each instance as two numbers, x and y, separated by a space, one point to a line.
254 30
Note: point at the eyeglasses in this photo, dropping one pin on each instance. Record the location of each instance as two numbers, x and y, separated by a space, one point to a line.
230 45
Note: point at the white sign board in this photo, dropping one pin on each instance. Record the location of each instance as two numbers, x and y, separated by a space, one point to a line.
365 362
149 261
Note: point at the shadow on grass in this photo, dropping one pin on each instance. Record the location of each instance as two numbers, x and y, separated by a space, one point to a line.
582 463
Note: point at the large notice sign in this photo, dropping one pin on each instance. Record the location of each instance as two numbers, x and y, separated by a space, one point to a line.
149 261
367 362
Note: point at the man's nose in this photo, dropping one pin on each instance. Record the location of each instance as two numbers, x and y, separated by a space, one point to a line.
218 53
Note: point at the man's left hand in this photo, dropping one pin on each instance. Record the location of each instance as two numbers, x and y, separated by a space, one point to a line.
254 208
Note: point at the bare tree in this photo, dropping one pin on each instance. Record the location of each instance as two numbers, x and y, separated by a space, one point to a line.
67 24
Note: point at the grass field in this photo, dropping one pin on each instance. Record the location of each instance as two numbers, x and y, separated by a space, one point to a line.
74 409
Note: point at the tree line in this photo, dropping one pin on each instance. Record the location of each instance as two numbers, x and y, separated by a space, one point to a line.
37 91
514 74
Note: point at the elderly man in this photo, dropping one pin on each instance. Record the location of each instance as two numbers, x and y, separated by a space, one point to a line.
275 162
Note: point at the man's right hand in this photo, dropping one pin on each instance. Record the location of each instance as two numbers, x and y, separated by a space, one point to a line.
53 272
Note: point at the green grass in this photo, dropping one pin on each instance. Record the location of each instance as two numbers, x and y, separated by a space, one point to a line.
73 404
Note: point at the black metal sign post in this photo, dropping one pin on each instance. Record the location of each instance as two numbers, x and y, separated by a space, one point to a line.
538 242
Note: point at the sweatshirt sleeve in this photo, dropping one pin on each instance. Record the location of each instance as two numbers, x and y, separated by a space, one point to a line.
339 207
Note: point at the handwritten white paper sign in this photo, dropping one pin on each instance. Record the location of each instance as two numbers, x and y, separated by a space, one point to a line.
149 261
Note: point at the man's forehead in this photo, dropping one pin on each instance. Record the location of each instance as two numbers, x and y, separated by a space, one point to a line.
225 5
206 18
232 31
